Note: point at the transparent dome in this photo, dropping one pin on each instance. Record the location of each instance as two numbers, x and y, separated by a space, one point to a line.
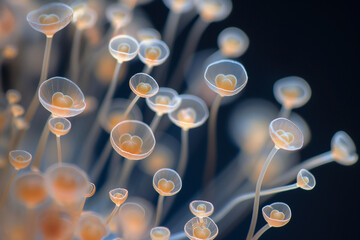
90 227
213 10
277 214
118 195
153 52
343 149
118 14
59 126
85 18
167 182
233 42
201 208
143 85
165 101
305 180
19 159
160 233
179 6
30 189
286 135
201 228
123 48
148 33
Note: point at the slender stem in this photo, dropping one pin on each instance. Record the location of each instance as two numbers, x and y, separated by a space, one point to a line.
261 231
155 122
100 163
159 208
191 43
58 143
35 166
212 150
116 208
74 57
147 69
239 199
184 152
126 172
35 101
82 205
257 193
171 25
285 112
95 129
130 107
6 192
309 164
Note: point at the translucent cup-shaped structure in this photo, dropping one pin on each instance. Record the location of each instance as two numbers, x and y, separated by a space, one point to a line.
233 42
160 233
50 18
143 85
292 92
115 114
148 33
277 214
59 126
226 77
30 189
118 195
19 159
305 180
165 101
61 97
85 18
153 52
179 6
66 183
132 219
167 182
90 227
56 224
286 135
343 149
123 48
118 15
213 10
132 139
201 228
17 110
201 208
191 113
13 96
91 190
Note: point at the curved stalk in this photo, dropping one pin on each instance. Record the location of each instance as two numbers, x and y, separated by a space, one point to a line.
6 192
261 231
116 208
74 57
285 112
100 163
126 172
130 107
159 208
35 166
184 152
58 143
155 122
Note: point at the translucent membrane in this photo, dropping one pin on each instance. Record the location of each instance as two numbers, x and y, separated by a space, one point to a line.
13 96
213 10
277 214
167 182
201 208
118 15
191 113
132 139
50 18
19 159
118 195
165 101
17 110
56 224
123 48
226 77
153 52
179 6
30 189
343 149
285 134
233 42
85 18
91 190
201 228
115 114
67 184
90 227
61 97
160 233
59 126
292 92
132 220
305 180
143 85
148 33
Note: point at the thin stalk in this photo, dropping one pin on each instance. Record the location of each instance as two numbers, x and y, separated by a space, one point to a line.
100 163
191 43
130 107
35 101
147 69
261 231
95 129
6 192
82 205
212 150
184 152
159 208
126 172
155 122
35 166
171 25
58 143
285 112
257 193
74 57
239 199
116 208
